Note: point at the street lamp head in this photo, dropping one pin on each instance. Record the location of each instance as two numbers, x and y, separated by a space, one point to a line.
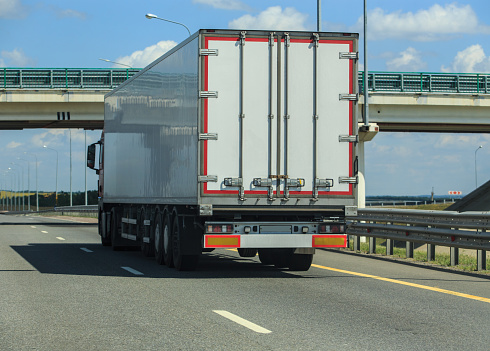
480 146
150 16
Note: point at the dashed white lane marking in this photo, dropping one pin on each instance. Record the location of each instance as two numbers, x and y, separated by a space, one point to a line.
33 226
85 249
243 322
60 238
131 270
43 231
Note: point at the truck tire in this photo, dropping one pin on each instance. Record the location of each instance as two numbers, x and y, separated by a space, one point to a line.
247 252
265 257
181 262
147 249
300 262
115 230
105 237
168 255
282 257
158 230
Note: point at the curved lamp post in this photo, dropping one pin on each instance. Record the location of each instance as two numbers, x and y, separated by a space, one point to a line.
37 191
151 16
56 199
117 63
476 177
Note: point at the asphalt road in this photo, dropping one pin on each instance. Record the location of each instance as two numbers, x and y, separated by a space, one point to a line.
61 290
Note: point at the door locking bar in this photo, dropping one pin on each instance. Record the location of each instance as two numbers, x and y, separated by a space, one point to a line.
265 183
235 183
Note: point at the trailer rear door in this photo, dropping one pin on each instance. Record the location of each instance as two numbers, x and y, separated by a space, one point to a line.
282 106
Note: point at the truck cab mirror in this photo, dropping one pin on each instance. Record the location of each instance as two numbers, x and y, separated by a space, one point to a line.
91 156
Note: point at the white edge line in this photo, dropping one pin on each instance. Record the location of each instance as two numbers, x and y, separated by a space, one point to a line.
85 249
131 270
60 238
243 322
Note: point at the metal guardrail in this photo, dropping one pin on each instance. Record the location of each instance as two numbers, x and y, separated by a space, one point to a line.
467 230
64 78
98 78
79 209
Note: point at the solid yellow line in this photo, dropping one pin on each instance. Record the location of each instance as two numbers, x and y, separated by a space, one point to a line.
401 282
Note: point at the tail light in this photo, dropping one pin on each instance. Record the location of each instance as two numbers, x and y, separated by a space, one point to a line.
219 228
331 228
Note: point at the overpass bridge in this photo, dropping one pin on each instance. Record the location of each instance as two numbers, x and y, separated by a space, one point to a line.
73 98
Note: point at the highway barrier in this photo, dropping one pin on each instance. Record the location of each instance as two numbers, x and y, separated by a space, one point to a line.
466 230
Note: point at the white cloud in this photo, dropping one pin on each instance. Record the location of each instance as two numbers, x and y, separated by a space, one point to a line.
435 23
13 145
409 60
224 4
142 58
16 58
272 18
69 13
50 138
470 60
12 9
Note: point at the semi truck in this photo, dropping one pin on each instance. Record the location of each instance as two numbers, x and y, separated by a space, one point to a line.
244 140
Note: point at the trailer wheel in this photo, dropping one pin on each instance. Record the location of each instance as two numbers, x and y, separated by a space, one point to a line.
105 237
265 257
147 249
300 262
247 252
159 238
181 262
282 257
168 255
115 230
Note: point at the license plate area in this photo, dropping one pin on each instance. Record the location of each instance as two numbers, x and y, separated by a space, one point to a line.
276 229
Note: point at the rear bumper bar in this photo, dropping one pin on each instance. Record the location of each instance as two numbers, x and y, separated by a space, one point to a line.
266 241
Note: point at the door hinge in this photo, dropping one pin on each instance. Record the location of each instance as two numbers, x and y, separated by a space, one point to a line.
349 55
208 52
348 138
350 180
208 94
208 136
207 178
351 97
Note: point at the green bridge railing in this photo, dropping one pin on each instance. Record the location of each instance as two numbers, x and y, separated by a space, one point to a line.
104 79
63 78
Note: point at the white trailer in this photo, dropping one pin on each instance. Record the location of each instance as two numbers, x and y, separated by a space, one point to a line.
233 139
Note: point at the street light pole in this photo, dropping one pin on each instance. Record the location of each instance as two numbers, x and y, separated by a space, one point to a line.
151 16
71 193
28 183
56 199
37 190
319 15
117 63
476 177
365 76
21 185
16 196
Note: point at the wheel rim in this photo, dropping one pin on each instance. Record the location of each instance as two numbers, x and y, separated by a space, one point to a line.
157 236
166 239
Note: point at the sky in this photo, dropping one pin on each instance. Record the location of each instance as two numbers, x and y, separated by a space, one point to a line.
403 36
